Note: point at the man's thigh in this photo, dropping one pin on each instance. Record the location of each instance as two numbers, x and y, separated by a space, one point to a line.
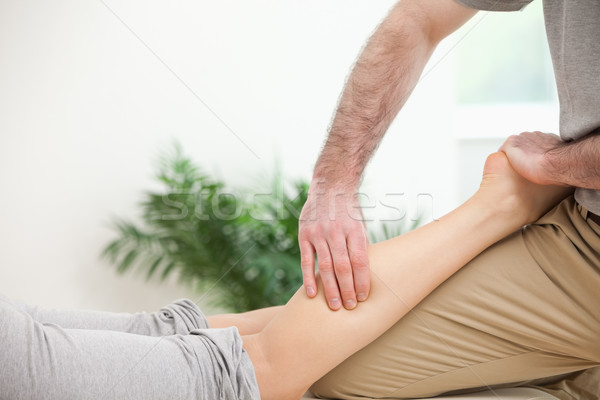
524 309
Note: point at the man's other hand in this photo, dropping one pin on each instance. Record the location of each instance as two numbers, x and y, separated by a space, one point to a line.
527 153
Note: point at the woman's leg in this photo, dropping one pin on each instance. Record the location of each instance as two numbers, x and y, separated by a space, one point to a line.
519 312
179 317
306 339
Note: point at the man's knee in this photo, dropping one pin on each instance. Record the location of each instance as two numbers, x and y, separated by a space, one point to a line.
328 388
334 386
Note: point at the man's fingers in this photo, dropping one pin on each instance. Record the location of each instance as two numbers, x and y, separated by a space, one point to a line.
357 247
327 274
307 263
343 272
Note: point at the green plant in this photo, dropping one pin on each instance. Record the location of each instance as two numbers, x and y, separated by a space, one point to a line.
243 245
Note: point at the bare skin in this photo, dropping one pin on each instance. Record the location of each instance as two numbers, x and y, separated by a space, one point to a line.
380 83
248 323
288 353
545 159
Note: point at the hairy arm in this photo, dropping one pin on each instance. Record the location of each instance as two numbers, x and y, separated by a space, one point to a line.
575 163
382 79
545 159
380 83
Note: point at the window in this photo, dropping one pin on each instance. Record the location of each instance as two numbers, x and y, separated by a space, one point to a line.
504 85
505 59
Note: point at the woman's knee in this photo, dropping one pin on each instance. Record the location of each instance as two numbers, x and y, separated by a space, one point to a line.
181 317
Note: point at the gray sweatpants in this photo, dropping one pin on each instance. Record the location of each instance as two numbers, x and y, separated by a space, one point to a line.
169 354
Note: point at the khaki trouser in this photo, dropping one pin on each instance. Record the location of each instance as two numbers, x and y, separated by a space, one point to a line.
526 308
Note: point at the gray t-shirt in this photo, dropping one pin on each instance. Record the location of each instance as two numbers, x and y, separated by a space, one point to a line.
573 30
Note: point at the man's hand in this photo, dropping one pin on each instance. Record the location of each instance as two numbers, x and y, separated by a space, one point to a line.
331 224
527 153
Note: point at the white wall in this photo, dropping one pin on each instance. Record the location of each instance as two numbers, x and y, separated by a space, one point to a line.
89 94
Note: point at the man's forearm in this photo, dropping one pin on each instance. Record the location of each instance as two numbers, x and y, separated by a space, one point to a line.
381 81
575 163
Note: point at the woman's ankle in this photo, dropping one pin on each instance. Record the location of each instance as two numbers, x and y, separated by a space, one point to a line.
513 197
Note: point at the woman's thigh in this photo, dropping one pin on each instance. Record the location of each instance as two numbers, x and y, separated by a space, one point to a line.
525 308
44 360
